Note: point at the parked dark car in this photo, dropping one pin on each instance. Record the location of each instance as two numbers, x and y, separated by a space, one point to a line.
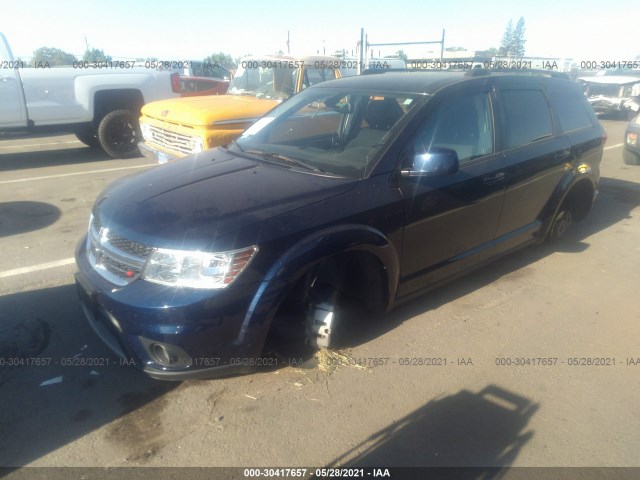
631 153
363 191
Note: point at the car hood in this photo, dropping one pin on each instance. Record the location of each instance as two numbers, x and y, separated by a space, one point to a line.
209 110
192 202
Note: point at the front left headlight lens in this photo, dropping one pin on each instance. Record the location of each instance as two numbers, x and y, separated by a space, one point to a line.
196 145
145 128
196 269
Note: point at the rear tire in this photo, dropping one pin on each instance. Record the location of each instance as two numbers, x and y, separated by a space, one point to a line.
630 115
561 225
88 137
119 134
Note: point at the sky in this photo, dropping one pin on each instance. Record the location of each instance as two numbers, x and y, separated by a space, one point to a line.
193 29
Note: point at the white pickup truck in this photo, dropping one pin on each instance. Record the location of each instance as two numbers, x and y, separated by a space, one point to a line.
99 102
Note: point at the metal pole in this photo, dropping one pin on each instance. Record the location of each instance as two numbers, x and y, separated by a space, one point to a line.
362 47
442 48
366 49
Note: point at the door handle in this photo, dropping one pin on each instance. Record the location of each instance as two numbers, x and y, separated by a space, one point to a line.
493 179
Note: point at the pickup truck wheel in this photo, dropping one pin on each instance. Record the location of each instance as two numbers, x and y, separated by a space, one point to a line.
119 134
88 137
323 313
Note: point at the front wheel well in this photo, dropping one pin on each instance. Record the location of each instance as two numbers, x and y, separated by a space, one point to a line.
363 287
364 279
579 199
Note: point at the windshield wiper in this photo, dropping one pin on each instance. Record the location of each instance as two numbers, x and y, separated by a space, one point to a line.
284 158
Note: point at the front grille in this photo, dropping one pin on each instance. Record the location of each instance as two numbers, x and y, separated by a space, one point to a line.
118 260
119 268
177 142
132 248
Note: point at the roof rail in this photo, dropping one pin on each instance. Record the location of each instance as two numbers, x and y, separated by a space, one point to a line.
373 71
480 72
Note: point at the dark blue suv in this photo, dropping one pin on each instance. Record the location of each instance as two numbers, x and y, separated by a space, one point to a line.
366 190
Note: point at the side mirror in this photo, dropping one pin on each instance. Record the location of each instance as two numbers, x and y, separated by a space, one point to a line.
437 161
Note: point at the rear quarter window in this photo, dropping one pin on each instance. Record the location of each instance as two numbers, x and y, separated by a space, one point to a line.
527 115
572 110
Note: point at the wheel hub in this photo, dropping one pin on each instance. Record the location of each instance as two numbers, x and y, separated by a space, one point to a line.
319 321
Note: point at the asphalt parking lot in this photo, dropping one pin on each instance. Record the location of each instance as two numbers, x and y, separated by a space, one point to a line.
576 305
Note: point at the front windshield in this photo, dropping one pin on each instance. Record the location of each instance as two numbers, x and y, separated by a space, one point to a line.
263 80
340 132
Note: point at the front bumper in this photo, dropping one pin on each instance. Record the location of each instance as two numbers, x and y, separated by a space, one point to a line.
156 154
202 330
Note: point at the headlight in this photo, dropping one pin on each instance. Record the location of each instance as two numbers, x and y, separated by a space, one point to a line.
145 128
196 145
632 139
196 269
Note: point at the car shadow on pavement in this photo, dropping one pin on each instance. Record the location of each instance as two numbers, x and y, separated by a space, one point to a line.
58 381
22 217
465 429
50 158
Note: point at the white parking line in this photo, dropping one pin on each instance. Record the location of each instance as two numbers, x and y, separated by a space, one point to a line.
36 268
19 180
617 145
40 144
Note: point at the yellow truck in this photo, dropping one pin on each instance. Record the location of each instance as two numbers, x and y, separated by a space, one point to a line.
183 126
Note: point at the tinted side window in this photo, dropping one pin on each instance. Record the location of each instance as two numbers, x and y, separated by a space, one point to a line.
462 123
571 110
317 75
528 117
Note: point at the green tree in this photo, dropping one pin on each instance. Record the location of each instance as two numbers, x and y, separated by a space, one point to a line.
507 40
95 55
518 41
512 44
486 54
52 56
223 59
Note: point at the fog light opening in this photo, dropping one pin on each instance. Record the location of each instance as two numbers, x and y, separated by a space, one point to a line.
166 355
161 354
